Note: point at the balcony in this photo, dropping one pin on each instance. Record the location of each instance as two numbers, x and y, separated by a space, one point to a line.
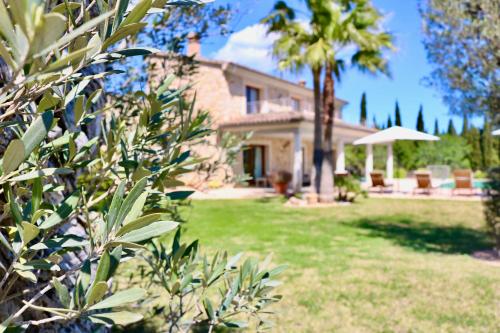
278 106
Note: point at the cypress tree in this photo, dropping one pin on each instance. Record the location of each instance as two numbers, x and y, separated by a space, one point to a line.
389 122
465 127
375 125
364 113
474 139
490 157
451 128
436 127
420 120
398 115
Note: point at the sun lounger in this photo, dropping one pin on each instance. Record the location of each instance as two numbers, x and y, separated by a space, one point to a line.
463 181
424 183
379 182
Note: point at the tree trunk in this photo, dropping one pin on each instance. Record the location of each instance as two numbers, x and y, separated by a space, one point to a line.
318 150
327 167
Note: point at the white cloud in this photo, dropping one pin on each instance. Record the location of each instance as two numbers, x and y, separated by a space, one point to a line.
251 47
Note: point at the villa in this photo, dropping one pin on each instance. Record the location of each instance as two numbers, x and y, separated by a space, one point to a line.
280 114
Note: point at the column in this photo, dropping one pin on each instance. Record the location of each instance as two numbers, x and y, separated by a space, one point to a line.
390 162
340 161
368 162
297 161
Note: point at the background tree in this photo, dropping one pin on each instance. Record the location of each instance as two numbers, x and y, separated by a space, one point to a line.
374 122
436 127
465 126
389 122
450 150
397 115
420 120
461 39
474 156
451 128
364 112
490 154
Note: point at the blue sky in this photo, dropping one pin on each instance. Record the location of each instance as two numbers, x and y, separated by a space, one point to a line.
249 46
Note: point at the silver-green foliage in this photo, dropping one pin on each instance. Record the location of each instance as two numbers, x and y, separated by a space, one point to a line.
188 280
462 39
53 177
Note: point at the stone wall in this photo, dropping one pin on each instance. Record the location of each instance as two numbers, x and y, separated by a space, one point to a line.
281 155
213 93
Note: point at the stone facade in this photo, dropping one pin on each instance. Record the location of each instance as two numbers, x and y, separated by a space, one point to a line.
285 110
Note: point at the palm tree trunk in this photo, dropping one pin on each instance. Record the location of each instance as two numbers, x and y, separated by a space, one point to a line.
327 167
318 150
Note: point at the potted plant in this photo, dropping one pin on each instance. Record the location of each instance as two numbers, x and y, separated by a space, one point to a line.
280 181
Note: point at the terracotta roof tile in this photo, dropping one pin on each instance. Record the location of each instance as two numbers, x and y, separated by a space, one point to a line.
285 117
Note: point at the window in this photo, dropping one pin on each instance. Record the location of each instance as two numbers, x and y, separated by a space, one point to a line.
253 100
295 104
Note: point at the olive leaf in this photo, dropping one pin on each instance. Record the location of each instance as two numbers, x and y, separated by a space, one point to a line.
137 13
62 292
37 132
29 232
116 318
67 207
42 173
97 292
13 156
139 223
129 201
152 230
120 298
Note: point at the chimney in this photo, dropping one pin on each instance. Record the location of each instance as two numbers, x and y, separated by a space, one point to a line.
193 46
302 83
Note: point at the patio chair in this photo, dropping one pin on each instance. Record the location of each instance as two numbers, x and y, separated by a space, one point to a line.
463 181
379 182
424 183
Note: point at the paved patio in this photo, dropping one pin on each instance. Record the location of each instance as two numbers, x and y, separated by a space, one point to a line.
402 189
234 193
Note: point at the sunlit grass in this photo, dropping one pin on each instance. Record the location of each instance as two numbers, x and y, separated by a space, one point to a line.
375 266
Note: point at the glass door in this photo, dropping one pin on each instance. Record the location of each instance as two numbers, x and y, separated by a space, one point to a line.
254 163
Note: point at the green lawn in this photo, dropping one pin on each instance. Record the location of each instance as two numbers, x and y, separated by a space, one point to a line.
375 266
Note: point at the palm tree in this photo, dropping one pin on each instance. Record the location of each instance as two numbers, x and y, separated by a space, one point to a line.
335 26
347 24
296 48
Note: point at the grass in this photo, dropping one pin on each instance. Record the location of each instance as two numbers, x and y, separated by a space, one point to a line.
375 266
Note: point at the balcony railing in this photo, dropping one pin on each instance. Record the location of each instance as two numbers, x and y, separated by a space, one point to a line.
278 105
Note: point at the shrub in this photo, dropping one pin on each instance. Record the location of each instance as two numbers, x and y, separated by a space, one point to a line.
186 278
480 174
349 188
450 150
400 173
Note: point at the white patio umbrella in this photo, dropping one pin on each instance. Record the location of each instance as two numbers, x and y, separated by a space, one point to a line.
388 137
497 132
